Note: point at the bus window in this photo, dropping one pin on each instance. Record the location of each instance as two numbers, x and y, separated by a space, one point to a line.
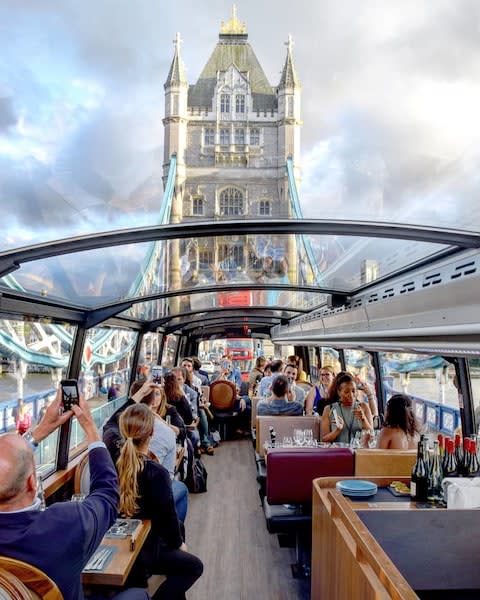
428 380
149 353
169 351
359 363
329 357
105 374
34 358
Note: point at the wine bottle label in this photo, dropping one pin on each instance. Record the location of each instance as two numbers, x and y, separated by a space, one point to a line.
413 489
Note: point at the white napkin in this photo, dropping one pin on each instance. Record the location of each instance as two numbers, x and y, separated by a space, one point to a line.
462 492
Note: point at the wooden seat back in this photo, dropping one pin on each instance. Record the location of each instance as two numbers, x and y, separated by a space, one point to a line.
255 401
388 463
283 426
223 394
26 582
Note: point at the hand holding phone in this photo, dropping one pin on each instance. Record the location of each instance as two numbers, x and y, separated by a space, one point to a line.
70 394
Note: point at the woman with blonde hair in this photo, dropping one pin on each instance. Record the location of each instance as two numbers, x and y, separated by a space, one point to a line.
146 493
317 397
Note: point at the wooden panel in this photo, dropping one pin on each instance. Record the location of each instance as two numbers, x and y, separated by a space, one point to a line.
370 463
347 562
255 401
283 426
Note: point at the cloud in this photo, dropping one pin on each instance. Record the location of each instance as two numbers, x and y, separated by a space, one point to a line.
389 103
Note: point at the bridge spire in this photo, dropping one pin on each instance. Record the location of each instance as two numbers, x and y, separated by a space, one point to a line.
289 78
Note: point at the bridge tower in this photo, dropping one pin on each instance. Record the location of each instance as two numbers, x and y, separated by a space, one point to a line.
232 132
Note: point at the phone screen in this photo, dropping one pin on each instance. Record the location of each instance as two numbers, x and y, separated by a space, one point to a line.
157 372
69 393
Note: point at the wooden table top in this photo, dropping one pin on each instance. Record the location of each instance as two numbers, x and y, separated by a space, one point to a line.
117 570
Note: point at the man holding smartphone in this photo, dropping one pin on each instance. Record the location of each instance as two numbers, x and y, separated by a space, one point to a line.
61 539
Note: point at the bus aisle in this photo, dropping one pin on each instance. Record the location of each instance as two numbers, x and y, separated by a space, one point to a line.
226 528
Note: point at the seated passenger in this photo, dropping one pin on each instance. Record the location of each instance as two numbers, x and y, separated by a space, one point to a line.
401 429
297 362
317 397
243 404
175 393
256 375
60 540
290 372
276 367
346 414
199 372
367 394
201 406
281 402
163 445
146 493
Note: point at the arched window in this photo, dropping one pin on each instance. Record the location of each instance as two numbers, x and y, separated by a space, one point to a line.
231 202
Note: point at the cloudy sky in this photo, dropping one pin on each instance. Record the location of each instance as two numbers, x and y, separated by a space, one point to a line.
391 92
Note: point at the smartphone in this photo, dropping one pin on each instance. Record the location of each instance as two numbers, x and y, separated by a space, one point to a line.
226 365
69 393
335 416
157 373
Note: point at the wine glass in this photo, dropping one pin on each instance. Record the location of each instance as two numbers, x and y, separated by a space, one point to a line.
298 437
308 437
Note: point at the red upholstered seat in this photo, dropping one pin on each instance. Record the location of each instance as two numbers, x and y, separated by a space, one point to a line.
290 472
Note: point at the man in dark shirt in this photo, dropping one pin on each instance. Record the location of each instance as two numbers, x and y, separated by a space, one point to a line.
279 403
61 539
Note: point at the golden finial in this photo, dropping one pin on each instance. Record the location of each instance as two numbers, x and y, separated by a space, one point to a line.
234 26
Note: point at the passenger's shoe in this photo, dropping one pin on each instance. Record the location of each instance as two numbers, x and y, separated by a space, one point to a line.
208 450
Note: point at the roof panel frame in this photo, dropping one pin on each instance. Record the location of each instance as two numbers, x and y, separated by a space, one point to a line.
11 260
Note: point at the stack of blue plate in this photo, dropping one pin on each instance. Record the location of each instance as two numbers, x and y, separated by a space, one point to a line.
357 488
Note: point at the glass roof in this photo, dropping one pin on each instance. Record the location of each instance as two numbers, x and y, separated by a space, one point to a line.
389 136
94 278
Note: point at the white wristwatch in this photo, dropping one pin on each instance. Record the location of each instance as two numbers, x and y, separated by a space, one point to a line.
28 437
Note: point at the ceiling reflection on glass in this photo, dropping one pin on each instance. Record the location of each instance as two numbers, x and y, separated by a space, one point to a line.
278 303
95 277
109 275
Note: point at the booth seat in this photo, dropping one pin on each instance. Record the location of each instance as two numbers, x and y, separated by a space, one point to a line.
290 471
288 485
384 463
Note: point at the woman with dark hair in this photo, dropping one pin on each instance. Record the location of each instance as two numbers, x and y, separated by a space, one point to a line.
400 430
345 414
174 385
146 493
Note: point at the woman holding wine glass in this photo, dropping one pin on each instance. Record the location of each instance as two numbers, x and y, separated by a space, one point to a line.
345 415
